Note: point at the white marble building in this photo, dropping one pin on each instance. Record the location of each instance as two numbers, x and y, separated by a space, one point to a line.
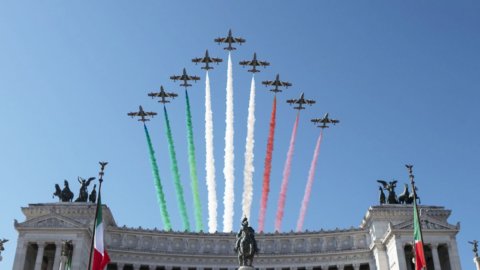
382 241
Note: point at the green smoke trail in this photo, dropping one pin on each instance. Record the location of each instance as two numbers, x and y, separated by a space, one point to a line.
158 184
176 174
193 168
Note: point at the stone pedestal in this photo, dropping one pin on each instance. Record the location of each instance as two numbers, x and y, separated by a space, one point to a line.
246 268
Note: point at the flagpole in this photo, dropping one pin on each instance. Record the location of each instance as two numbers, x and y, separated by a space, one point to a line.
100 180
412 182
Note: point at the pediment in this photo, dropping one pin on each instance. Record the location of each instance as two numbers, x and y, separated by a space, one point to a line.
428 223
50 221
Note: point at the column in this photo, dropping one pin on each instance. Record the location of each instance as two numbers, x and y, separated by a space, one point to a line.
476 260
340 266
20 255
39 259
453 252
136 267
380 254
356 266
436 261
120 266
401 262
58 251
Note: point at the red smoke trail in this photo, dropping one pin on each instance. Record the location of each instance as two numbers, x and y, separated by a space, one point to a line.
286 175
268 168
308 187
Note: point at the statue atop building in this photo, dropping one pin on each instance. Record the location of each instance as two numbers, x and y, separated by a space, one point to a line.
65 194
246 245
83 193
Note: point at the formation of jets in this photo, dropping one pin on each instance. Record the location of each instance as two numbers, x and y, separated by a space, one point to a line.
254 63
207 60
229 40
143 115
277 83
185 78
162 95
300 102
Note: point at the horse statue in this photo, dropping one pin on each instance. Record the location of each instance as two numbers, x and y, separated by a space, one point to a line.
246 245
64 195
382 196
390 187
404 197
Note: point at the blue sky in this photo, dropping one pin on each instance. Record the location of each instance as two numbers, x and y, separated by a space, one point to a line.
402 76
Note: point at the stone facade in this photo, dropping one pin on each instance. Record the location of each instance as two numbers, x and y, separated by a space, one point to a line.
382 241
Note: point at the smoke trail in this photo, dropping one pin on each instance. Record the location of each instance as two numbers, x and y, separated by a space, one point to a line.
176 174
228 170
249 144
286 175
210 160
308 187
158 184
193 168
268 167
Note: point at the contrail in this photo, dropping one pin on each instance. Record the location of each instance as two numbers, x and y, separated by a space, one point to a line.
249 145
308 187
268 168
193 168
210 160
158 184
176 175
229 170
286 175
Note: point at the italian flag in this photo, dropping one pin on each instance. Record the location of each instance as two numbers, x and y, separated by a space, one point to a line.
100 255
420 262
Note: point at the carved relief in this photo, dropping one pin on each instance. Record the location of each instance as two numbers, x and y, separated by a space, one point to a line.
285 246
178 244
299 245
316 244
331 243
208 246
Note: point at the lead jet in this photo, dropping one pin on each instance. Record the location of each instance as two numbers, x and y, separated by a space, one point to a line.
301 101
185 78
277 83
142 114
229 40
325 120
207 60
162 95
254 63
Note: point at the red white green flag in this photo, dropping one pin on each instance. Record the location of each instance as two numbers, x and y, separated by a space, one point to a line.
420 262
100 255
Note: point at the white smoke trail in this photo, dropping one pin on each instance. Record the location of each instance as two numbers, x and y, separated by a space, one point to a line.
249 144
210 160
229 170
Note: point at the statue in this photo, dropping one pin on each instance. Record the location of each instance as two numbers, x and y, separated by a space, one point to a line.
83 193
475 247
390 187
382 196
1 247
404 197
93 195
65 195
246 246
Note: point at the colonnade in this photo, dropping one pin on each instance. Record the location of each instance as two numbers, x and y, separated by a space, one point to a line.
130 266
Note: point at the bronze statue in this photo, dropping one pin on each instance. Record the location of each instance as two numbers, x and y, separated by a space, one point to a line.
93 195
246 245
1 244
382 196
390 187
65 195
475 247
83 193
404 197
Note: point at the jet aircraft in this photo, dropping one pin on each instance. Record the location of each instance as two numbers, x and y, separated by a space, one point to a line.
301 101
277 83
142 114
229 40
325 120
162 95
207 60
254 63
185 78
